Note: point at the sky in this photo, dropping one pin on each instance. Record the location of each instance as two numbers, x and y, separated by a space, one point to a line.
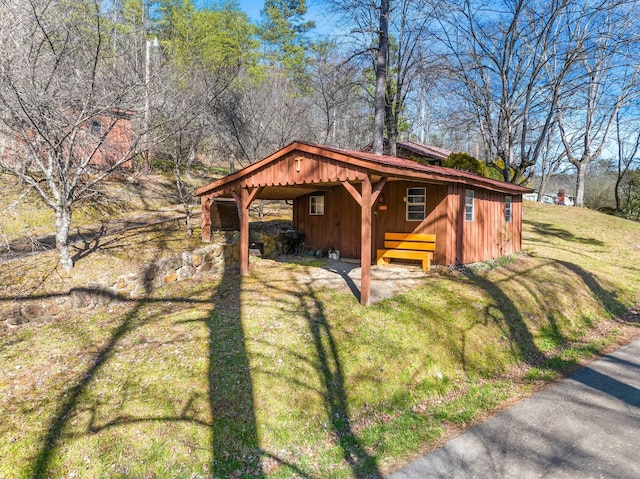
314 12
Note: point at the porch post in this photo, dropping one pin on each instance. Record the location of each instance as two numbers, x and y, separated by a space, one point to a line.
205 217
244 231
365 243
244 201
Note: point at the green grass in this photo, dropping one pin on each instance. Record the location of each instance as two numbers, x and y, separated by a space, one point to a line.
265 376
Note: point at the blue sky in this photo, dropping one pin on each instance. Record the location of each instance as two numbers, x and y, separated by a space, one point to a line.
252 8
314 12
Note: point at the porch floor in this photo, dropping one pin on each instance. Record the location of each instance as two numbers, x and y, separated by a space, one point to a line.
386 281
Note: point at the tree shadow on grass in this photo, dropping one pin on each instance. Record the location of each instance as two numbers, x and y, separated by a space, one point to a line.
329 366
70 398
505 313
234 433
235 448
550 231
608 299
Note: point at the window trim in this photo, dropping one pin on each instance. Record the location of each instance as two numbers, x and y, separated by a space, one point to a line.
469 209
508 209
409 203
318 211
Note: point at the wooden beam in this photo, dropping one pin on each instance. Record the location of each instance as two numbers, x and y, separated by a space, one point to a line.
377 190
253 194
237 198
244 231
365 243
244 200
352 191
205 217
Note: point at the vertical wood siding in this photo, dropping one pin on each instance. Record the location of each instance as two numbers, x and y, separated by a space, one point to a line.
488 236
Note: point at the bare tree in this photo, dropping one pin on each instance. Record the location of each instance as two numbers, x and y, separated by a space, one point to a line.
551 159
257 117
341 110
393 37
510 61
67 91
382 61
603 81
628 142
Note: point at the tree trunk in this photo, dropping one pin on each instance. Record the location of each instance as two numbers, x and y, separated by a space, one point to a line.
63 224
391 122
580 180
543 186
617 192
381 80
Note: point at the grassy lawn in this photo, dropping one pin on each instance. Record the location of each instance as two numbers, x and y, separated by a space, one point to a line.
269 376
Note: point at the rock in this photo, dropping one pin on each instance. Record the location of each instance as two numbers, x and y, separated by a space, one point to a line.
170 278
17 320
32 311
151 272
204 267
80 299
53 309
196 260
184 273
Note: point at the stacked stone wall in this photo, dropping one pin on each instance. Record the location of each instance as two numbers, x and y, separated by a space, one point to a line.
210 259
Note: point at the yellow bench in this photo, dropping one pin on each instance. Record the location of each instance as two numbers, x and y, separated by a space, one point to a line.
412 246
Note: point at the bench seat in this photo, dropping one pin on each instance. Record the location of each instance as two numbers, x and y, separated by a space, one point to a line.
408 246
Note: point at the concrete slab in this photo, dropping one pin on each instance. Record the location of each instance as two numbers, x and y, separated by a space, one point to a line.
386 281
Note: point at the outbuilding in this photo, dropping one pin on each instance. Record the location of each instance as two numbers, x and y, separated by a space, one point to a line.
348 200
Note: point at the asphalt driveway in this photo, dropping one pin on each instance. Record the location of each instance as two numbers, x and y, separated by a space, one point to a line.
587 426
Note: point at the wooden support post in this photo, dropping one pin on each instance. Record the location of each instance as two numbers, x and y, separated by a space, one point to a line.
205 217
244 200
244 232
365 199
365 247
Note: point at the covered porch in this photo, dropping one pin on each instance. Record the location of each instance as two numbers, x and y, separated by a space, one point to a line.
350 200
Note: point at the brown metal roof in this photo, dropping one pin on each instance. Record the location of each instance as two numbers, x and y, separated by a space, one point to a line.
386 166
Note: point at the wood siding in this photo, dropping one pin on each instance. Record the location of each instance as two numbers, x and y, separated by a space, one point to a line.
488 236
298 168
339 227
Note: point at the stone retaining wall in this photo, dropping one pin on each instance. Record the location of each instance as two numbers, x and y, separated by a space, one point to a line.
212 258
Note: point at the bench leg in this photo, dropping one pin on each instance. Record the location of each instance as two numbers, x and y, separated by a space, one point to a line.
382 261
426 264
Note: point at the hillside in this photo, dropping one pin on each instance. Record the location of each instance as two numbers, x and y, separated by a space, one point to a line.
273 376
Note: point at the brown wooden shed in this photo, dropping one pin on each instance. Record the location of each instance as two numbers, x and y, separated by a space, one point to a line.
474 218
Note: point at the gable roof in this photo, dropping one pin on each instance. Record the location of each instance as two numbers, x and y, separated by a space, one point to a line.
361 162
428 152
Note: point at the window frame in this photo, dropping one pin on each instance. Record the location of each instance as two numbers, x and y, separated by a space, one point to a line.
319 205
508 209
409 203
469 208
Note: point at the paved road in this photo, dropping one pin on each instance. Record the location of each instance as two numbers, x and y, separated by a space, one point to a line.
587 426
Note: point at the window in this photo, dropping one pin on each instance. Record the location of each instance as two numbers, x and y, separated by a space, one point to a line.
316 205
468 205
507 209
96 128
416 204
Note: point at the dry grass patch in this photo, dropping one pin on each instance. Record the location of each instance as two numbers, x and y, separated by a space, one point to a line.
271 376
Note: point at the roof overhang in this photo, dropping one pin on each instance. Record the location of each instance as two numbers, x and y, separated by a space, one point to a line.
352 165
